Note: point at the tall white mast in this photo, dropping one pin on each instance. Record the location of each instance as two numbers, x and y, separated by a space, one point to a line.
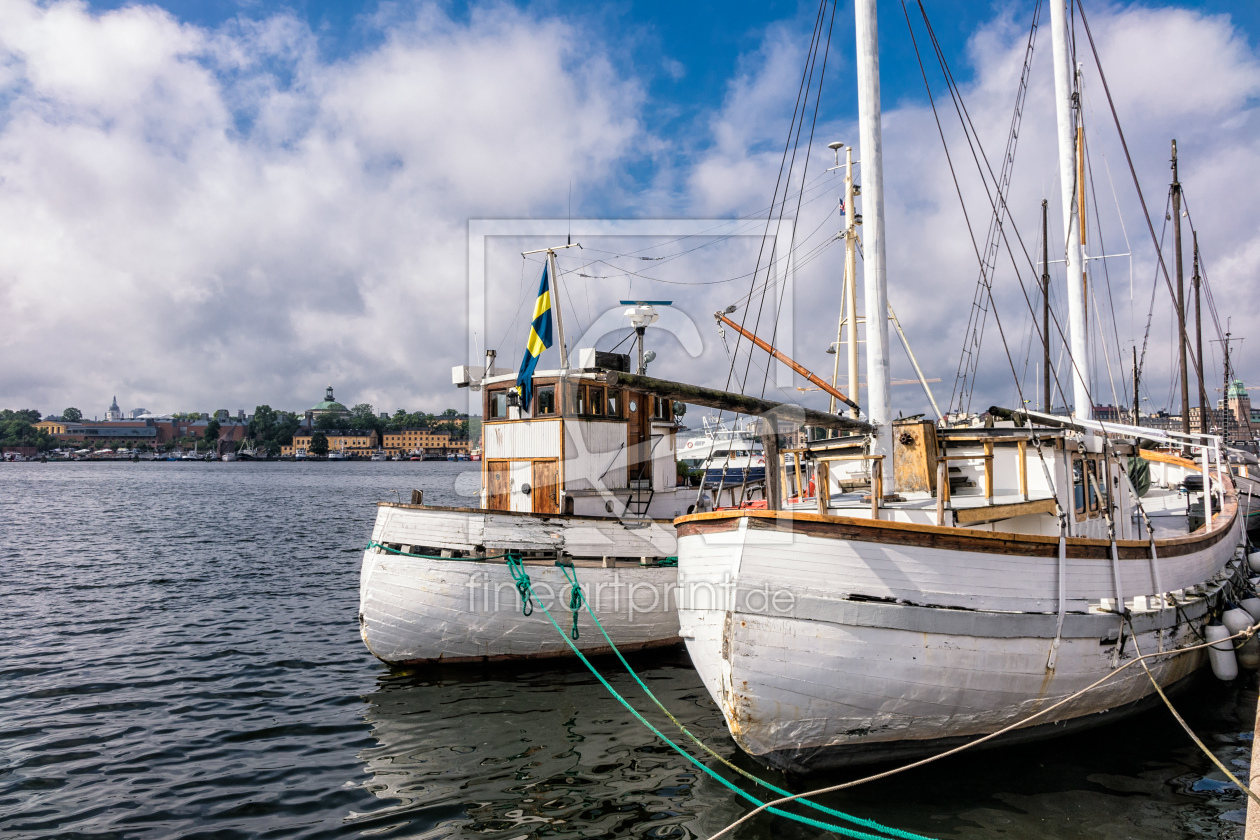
1074 254
874 271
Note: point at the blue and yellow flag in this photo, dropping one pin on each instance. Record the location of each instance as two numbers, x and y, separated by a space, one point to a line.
539 340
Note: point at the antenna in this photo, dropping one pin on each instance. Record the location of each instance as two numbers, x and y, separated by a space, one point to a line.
570 235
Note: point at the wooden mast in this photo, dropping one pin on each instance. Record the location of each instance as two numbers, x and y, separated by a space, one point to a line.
1181 295
1048 404
1137 404
1198 338
850 276
1080 211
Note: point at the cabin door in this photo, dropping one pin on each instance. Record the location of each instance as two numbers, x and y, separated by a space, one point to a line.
546 489
498 485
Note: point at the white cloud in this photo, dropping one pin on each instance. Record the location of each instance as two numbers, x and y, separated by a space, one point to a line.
221 216
1173 73
214 218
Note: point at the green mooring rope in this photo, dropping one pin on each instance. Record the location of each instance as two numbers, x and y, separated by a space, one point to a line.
521 578
518 568
575 594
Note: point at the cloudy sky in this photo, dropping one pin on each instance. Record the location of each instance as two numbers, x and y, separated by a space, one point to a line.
214 205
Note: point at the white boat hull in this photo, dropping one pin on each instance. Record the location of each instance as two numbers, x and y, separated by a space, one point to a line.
825 652
421 609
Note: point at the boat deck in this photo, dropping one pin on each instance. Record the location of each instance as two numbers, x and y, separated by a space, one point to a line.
1166 508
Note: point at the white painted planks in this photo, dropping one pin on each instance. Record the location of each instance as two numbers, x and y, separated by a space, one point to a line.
414 609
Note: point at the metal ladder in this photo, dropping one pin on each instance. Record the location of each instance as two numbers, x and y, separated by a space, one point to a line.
640 500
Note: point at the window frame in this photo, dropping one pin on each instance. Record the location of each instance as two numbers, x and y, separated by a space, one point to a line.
1079 503
541 392
491 396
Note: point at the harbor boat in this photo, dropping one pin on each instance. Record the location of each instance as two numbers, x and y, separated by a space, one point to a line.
991 567
379 455
578 480
732 458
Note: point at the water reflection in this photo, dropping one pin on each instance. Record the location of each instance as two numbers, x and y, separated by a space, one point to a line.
547 752
526 752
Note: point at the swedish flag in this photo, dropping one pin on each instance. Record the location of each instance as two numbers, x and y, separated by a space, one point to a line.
539 340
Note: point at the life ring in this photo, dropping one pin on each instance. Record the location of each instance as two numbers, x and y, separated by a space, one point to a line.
690 443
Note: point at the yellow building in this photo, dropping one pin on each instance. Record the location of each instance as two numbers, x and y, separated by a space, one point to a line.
53 427
406 442
354 443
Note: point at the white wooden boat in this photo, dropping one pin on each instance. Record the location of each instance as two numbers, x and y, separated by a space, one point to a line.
831 638
1009 567
584 476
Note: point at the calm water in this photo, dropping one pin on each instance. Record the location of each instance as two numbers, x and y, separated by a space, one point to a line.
179 657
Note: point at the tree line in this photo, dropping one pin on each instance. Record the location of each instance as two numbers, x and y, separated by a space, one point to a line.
269 429
364 416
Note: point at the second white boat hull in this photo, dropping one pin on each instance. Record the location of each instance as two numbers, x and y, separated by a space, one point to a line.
825 652
416 610
435 584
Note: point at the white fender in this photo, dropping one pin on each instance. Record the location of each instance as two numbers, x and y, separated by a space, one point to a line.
1237 620
1221 654
1252 606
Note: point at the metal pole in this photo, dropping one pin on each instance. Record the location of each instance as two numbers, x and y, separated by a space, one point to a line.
1048 405
850 273
874 271
1137 405
1065 107
1181 295
1080 203
1225 416
835 348
555 307
905 342
1198 339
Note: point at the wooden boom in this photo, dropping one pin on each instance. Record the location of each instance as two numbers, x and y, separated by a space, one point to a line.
738 403
787 361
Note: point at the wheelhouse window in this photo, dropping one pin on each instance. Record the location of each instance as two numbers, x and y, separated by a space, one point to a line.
545 401
592 401
1078 485
1091 472
498 404
614 403
661 409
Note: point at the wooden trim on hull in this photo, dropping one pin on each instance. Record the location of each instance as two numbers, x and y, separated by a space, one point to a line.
954 539
816 759
565 654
